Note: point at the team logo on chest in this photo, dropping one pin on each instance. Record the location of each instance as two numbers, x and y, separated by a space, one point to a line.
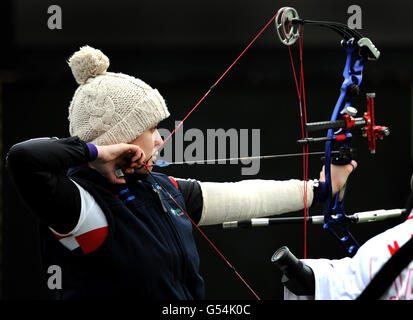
177 212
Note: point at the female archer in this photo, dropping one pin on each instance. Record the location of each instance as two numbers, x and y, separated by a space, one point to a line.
131 234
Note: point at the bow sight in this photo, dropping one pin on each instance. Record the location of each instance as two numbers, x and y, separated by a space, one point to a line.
347 121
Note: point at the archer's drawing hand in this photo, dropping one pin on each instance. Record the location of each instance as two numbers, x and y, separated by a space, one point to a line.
117 156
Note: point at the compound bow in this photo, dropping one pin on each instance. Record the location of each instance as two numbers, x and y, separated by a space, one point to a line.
358 51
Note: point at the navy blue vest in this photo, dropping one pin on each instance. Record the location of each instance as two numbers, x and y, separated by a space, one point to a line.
149 252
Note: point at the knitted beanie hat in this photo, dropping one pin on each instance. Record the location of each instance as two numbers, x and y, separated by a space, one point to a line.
110 108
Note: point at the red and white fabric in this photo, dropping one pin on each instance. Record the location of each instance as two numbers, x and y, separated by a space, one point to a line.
346 278
91 229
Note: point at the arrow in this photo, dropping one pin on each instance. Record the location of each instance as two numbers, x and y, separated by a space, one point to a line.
164 163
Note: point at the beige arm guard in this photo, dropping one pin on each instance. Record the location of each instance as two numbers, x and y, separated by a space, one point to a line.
232 201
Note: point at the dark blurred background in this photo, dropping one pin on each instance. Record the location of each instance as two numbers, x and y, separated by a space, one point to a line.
181 47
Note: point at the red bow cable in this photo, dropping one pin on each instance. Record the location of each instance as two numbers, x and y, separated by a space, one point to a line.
303 116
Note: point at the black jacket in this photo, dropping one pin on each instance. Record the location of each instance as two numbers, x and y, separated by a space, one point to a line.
149 251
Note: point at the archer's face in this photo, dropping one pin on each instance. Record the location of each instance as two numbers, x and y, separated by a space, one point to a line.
149 141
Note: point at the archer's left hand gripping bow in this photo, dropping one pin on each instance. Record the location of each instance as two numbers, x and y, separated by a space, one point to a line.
358 51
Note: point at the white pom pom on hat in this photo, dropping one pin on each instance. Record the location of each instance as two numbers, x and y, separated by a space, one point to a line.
110 108
88 62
